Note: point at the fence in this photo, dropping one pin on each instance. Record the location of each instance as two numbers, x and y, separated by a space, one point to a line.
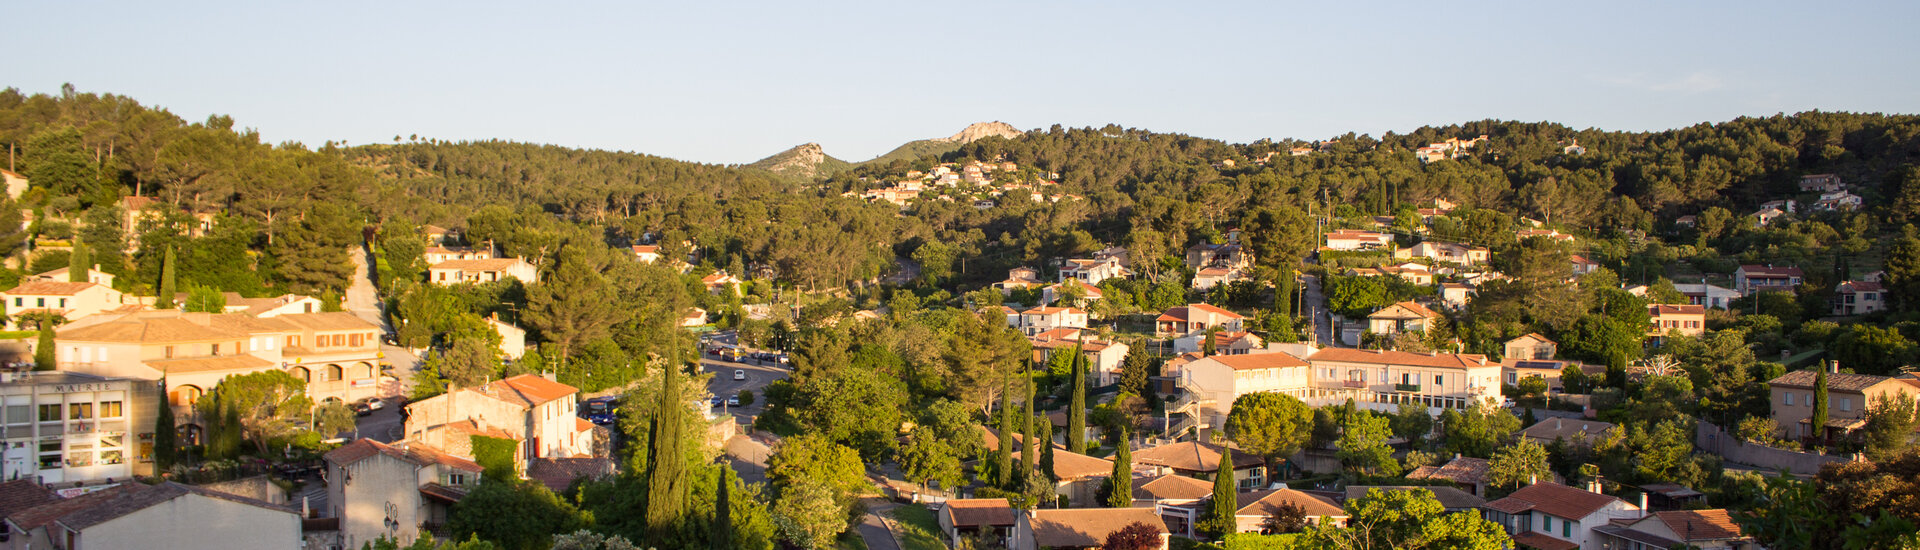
1711 438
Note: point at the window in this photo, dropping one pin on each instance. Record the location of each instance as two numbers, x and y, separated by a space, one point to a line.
1439 380
80 411
50 413
63 302
103 354
19 414
339 339
41 302
110 409
1566 528
50 456
457 479
169 353
1846 403
354 340
1546 523
1789 401
293 341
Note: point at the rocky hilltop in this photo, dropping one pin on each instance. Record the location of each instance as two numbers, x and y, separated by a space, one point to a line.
807 161
939 146
979 130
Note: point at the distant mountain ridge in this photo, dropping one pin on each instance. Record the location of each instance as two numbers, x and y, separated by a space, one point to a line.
809 160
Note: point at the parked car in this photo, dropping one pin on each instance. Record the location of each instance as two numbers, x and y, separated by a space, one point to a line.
361 409
733 401
373 403
717 401
739 374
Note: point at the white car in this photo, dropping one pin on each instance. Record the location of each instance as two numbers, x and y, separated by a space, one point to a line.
739 375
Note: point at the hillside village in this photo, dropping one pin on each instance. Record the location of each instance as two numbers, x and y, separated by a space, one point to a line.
999 345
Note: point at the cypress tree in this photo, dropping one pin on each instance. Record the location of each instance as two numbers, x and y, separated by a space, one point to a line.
1003 456
164 298
77 264
1820 407
163 435
722 538
1026 441
1122 478
666 462
1208 346
1220 518
1077 405
1283 296
1046 448
43 358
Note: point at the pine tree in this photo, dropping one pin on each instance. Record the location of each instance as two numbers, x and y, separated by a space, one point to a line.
163 435
1077 405
666 462
1122 478
1220 520
77 264
43 352
1820 407
164 298
722 538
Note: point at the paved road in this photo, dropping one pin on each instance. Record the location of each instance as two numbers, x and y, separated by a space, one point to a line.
1317 308
363 299
873 529
384 425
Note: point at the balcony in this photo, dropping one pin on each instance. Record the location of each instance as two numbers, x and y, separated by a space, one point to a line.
1406 387
1354 384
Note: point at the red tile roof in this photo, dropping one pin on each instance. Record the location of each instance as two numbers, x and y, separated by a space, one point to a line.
1657 310
1265 503
1172 487
977 512
1700 525
1192 456
1379 357
1088 527
1553 499
530 390
1538 541
1184 313
50 288
1253 361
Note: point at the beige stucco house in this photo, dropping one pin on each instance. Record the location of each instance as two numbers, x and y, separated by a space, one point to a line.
380 490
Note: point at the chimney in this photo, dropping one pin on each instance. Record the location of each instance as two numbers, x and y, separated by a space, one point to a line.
1833 366
1532 479
1558 423
1643 504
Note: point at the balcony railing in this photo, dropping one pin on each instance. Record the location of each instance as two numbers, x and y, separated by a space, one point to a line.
1354 383
1406 387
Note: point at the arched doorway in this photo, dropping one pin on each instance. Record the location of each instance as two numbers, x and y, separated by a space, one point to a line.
302 373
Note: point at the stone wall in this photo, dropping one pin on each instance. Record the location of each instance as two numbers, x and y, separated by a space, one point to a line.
1710 438
256 487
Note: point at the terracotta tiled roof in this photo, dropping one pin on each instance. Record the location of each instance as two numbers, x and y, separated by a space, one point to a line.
1657 310
558 473
1538 541
332 320
1087 527
1413 311
978 512
148 496
35 517
1192 456
1806 378
529 390
418 455
50 288
1463 470
1860 286
1053 310
443 493
210 364
1265 503
1184 313
1253 361
155 327
1569 429
1767 271
23 494
1700 525
1378 357
1553 499
1172 487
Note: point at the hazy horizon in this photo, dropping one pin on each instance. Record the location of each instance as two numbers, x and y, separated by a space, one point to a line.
730 84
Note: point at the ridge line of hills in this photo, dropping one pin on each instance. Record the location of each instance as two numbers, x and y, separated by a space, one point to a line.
809 160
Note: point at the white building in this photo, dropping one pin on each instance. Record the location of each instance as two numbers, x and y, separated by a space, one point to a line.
168 515
66 427
1551 515
453 272
1092 271
380 490
1349 239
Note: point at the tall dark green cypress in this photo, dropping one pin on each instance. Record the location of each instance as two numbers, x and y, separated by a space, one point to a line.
1027 450
164 298
1077 405
1220 518
1046 448
43 358
1819 403
1122 479
1283 295
78 263
722 538
1003 457
164 446
666 462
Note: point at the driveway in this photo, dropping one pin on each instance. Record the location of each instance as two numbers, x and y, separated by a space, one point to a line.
1317 313
873 529
384 425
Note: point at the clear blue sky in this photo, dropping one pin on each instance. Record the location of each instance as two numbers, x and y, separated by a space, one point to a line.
731 82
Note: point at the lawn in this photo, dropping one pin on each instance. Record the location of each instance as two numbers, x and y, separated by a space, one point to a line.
918 529
851 540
